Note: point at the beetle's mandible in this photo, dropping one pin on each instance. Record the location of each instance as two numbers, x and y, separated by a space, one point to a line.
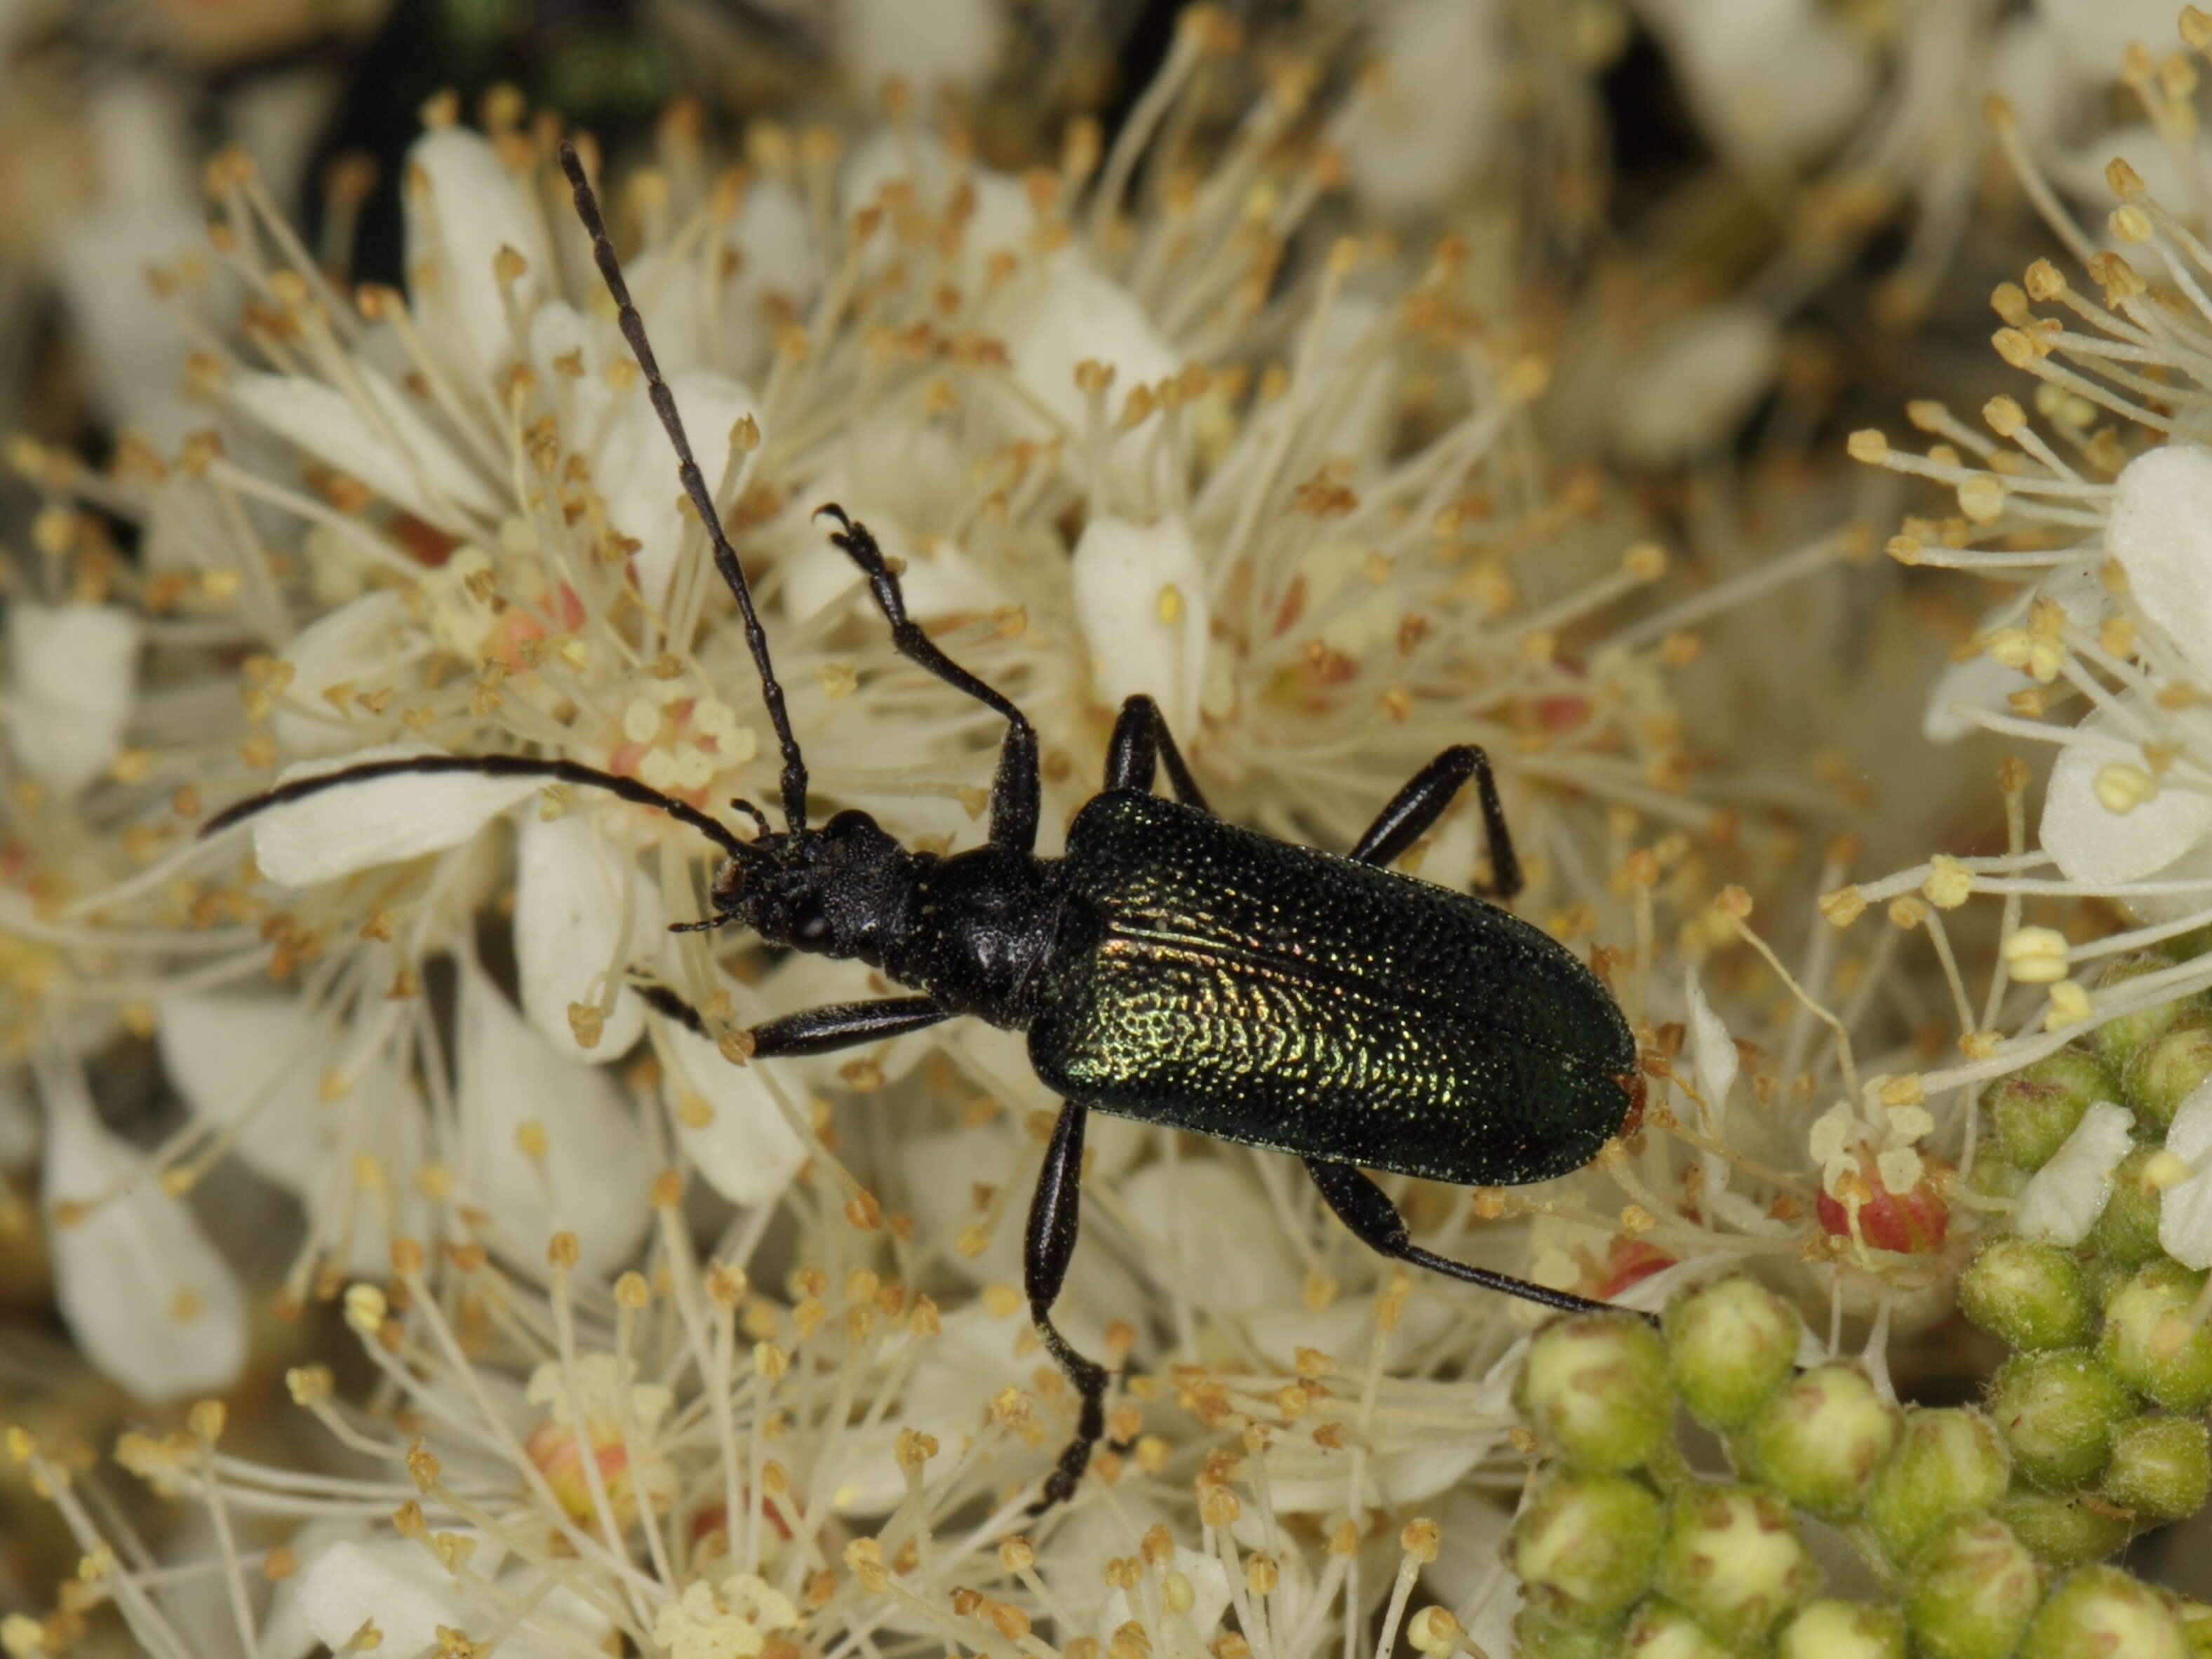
1167 966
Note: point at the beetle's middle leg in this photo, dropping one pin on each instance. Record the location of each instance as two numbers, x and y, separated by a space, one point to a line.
1413 810
1046 1251
1140 735
1367 1211
1015 789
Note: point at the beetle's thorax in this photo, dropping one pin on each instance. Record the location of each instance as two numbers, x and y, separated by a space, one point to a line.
970 930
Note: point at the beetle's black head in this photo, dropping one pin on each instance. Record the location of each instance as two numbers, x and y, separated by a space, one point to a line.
841 890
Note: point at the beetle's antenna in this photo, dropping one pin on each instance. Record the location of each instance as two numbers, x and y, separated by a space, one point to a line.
490 766
695 485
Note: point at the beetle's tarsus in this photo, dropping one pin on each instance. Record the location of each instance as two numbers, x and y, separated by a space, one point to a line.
1015 789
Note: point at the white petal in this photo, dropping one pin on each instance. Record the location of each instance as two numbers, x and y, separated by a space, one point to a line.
360 643
149 1299
1439 111
569 899
354 826
75 671
727 1119
771 237
1982 681
2091 843
2184 1216
423 474
229 1052
1209 1220
1142 636
402 1588
2162 536
399 1586
929 43
592 1178
1713 1053
1692 386
476 208
2064 1199
1774 81
638 468
2096 33
143 215
1070 313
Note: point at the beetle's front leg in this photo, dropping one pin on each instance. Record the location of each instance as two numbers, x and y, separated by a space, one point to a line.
1373 1219
1413 810
1046 1252
814 1030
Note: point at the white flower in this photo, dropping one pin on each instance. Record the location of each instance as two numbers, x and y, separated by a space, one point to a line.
382 821
927 43
360 646
582 910
2159 532
1691 387
1435 116
2064 1199
2185 1213
547 1142
1775 81
75 670
401 1589
2095 34
148 1298
1141 599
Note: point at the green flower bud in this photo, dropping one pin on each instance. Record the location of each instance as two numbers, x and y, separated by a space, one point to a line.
1662 1630
1971 1592
2063 1531
2100 1611
1587 1544
2126 1234
1947 1462
1730 1346
2058 1411
1997 1177
1820 1441
1734 1560
2161 1468
2150 1342
2035 1108
1829 1629
1540 1635
1594 1390
2118 1040
2196 1620
2160 1074
2027 1296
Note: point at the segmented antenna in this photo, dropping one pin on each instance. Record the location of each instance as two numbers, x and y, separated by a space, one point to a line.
487 766
695 485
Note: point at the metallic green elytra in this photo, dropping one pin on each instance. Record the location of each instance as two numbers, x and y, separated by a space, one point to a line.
1225 982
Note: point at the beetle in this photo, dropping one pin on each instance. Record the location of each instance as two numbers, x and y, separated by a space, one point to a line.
1167 966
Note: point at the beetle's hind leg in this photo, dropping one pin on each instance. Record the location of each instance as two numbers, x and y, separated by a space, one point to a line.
1140 737
1414 810
1046 1251
1366 1209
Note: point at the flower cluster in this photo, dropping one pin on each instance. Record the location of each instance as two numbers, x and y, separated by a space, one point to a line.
1955 1511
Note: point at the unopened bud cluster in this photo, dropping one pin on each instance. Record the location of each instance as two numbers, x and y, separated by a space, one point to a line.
1970 1518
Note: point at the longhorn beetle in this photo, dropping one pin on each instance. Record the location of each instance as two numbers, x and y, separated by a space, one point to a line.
1167 967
